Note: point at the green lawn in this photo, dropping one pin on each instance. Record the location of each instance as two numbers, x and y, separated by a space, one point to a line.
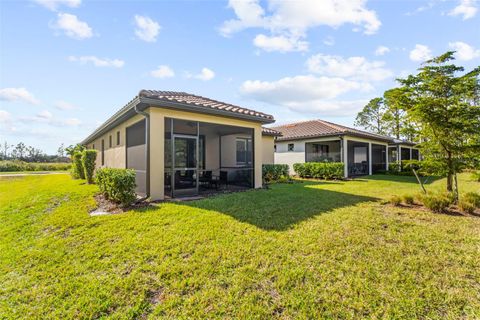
305 250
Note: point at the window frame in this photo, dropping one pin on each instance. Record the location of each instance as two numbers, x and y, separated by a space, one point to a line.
291 149
118 138
246 150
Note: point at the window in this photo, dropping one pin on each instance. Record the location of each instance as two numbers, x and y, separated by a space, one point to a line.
93 146
118 138
103 152
274 148
244 151
110 141
291 147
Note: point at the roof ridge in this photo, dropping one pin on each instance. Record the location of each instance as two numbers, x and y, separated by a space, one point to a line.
294 123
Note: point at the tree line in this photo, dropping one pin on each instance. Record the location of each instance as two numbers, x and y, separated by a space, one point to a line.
23 152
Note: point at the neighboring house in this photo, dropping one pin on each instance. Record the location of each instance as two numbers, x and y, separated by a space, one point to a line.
178 142
363 153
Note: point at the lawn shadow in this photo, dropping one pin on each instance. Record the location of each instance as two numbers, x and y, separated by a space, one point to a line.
282 206
404 179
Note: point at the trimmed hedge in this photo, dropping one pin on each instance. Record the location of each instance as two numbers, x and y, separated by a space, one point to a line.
405 168
17 165
117 185
274 172
89 157
320 170
77 166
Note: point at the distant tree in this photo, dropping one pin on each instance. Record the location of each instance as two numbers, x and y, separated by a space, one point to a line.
372 117
445 105
61 151
4 147
19 152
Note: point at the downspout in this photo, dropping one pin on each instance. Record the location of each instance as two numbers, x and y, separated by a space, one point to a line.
147 149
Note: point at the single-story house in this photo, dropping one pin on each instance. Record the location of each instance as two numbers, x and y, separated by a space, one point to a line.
363 153
179 143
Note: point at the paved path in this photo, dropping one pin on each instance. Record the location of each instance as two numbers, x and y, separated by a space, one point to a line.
9 175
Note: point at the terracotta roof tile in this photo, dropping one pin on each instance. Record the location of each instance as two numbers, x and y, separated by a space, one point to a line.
190 99
270 132
321 128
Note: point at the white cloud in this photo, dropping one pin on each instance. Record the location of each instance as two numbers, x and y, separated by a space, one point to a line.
17 94
162 72
381 50
205 75
280 43
329 41
98 62
292 19
356 68
54 4
63 105
146 28
464 51
329 107
466 8
420 53
5 116
45 114
73 27
299 89
71 122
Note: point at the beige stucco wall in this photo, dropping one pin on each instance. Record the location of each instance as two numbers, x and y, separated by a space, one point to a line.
115 156
268 149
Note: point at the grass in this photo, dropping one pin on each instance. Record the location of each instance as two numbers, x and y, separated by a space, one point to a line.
303 250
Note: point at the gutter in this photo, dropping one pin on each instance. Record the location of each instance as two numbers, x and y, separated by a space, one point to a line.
147 149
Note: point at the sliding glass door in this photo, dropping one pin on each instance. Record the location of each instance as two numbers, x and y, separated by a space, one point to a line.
185 165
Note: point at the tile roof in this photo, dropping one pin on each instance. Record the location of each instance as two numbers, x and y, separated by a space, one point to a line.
321 128
202 102
270 132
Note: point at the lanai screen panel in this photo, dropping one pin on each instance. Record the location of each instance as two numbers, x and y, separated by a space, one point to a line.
136 154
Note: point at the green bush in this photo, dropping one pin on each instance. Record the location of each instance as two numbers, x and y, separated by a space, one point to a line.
117 185
274 172
17 165
77 167
476 175
437 202
395 200
466 206
89 156
408 199
405 168
320 170
473 198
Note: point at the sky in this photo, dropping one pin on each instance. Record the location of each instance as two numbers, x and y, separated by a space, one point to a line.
67 65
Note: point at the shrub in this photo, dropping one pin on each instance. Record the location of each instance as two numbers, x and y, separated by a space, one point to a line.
117 185
408 199
274 172
473 198
77 167
17 165
437 202
395 200
466 206
320 170
88 163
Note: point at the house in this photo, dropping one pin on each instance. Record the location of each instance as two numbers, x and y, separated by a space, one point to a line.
363 153
179 143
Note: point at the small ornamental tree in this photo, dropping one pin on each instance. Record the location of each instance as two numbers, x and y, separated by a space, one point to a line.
88 163
446 106
77 166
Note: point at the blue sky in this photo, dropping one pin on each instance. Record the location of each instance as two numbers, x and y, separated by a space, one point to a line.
67 65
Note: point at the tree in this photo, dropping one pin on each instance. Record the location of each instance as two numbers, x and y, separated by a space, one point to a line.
61 151
445 105
372 117
19 151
